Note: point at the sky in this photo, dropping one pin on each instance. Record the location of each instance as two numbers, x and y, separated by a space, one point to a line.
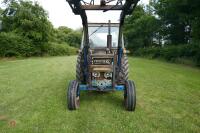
60 14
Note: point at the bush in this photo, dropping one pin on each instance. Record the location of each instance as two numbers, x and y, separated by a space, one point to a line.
66 35
55 49
173 53
12 44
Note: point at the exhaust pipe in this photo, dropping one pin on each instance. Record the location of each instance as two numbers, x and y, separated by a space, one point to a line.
109 37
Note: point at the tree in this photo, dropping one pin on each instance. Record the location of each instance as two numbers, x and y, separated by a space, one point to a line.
180 19
194 16
67 35
140 29
61 33
28 19
64 29
1 11
74 39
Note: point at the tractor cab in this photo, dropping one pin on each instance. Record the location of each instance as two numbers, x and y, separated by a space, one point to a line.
103 47
102 64
98 35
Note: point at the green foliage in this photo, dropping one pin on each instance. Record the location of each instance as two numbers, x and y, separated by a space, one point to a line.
12 44
65 30
1 11
74 39
67 35
28 32
54 49
29 20
180 19
140 29
173 53
173 22
168 29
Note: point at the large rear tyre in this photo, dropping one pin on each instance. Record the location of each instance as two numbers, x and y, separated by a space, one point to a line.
79 70
130 96
123 70
73 95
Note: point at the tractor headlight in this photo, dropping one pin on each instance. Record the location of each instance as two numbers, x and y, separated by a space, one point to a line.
96 74
108 61
108 74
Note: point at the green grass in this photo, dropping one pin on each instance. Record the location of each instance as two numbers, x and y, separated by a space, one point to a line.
33 94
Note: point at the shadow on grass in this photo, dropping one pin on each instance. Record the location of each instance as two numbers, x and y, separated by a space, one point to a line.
112 99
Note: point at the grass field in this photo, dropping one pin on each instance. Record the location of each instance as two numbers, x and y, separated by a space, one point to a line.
33 99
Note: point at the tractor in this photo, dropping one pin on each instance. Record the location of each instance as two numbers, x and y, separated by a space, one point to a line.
102 63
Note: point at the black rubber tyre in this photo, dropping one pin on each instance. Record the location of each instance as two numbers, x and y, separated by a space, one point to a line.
130 96
123 71
79 71
72 95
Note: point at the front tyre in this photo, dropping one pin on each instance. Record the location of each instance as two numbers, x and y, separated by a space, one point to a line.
130 96
73 95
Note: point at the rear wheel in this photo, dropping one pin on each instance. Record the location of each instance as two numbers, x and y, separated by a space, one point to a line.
123 71
73 95
130 96
79 71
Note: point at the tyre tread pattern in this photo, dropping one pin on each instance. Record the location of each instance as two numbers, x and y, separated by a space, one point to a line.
124 71
130 96
79 71
72 95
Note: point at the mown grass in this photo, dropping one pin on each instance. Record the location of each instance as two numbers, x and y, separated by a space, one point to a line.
33 97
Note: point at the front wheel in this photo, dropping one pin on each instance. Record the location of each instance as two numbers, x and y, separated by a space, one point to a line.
73 95
130 96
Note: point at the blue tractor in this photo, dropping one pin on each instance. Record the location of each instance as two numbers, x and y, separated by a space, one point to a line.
102 63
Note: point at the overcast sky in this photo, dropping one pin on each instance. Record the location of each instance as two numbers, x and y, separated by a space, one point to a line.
60 14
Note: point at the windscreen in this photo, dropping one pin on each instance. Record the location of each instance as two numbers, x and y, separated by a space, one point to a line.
98 36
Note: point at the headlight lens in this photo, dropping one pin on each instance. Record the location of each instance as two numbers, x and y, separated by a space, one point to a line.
96 74
108 62
108 74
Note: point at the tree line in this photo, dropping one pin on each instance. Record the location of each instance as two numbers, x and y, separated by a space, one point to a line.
168 29
26 31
